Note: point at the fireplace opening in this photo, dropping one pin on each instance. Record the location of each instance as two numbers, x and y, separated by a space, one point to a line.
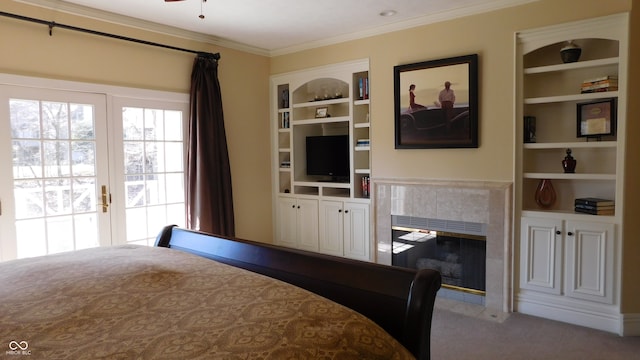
460 258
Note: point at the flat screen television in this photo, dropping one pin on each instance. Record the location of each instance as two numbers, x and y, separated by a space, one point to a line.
328 156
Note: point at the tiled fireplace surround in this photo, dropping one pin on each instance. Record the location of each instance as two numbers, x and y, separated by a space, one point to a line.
471 201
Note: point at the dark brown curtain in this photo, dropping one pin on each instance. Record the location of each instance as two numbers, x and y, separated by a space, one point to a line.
209 197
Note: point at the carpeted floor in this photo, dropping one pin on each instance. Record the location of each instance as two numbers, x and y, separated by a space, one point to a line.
461 332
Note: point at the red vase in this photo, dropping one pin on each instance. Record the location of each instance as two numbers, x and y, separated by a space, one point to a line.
545 194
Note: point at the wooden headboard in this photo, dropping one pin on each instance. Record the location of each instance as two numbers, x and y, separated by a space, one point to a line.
399 300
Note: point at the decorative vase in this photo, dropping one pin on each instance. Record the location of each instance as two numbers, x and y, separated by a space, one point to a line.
569 163
570 52
545 194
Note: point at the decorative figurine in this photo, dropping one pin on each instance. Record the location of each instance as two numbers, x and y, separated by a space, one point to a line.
569 163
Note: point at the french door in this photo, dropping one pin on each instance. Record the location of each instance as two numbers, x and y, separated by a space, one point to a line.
149 160
83 169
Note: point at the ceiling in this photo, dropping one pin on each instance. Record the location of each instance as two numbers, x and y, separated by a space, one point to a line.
273 27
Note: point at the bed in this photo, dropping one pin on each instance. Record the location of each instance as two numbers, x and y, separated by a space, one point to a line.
172 301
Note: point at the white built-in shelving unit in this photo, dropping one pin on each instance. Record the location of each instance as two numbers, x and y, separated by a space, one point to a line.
569 262
313 212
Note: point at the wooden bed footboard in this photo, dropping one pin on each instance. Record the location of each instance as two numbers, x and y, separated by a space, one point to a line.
399 300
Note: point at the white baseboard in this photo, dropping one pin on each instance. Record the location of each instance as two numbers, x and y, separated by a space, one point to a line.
606 320
630 325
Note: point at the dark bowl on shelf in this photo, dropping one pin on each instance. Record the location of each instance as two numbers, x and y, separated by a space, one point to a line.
570 55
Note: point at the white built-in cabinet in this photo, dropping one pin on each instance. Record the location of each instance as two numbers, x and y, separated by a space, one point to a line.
344 229
341 222
569 263
568 258
297 223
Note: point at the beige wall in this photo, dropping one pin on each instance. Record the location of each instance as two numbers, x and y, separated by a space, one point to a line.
631 231
27 49
491 36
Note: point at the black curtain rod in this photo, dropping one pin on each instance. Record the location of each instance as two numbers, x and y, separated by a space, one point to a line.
53 24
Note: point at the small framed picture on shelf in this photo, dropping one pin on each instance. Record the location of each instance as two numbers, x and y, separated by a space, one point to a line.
322 112
596 118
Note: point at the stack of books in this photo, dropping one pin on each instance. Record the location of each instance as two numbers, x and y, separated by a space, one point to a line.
603 83
362 143
595 206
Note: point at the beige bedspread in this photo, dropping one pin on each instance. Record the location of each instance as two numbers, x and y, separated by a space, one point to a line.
131 302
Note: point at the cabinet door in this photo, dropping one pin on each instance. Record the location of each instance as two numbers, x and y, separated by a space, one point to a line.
307 223
589 261
356 231
541 255
286 222
331 227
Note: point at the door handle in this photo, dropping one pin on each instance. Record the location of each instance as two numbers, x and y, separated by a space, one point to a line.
105 201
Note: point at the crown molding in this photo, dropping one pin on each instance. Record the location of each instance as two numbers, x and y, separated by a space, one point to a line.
406 24
124 20
100 15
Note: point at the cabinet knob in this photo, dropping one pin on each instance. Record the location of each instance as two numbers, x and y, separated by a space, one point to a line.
293 206
339 210
570 233
298 206
558 232
346 211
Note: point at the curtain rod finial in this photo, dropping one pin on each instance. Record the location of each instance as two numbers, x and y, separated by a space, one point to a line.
208 55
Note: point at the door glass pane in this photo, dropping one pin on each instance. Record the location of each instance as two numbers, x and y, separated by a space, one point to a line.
31 237
54 176
153 168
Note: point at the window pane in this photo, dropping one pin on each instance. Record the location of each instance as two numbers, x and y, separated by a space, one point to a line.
29 198
132 123
176 214
155 189
136 223
31 238
84 195
82 120
133 157
153 124
175 188
134 191
60 234
27 159
25 119
55 120
173 126
174 157
157 219
57 197
56 158
154 157
83 155
86 231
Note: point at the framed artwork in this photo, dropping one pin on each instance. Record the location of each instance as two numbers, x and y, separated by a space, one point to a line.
596 118
321 112
436 103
